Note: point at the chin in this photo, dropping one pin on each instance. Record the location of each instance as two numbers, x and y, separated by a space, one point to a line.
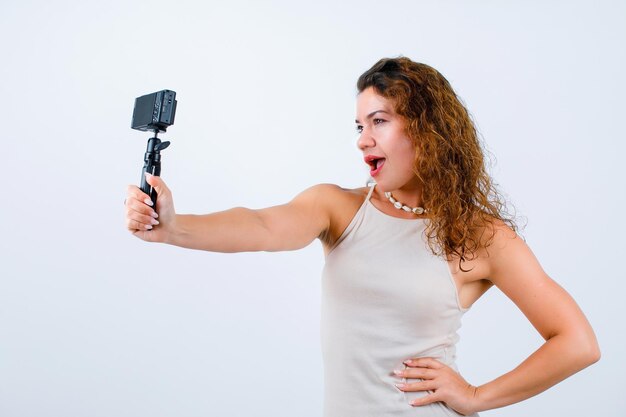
385 185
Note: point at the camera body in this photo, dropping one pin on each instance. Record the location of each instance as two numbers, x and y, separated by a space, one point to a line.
154 112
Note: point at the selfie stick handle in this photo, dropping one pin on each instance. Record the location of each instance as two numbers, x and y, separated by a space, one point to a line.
152 165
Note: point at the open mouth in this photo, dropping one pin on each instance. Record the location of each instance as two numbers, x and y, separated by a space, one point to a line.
375 164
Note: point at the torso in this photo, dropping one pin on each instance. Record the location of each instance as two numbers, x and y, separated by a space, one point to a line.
471 283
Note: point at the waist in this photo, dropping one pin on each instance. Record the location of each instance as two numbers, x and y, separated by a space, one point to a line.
359 381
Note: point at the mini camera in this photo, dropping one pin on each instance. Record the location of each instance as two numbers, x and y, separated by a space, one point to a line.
154 111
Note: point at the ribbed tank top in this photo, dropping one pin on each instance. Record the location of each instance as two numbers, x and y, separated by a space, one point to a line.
385 298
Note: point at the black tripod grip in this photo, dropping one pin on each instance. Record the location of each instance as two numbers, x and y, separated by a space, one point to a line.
152 165
147 188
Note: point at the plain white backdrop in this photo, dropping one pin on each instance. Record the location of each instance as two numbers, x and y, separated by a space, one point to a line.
94 322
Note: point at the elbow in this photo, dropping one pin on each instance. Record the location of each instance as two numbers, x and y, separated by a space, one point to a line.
581 350
593 355
592 351
588 352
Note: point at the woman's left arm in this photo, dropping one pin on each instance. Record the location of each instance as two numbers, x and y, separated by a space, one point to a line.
570 343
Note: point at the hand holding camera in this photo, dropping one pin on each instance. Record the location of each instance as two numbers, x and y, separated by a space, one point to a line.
142 219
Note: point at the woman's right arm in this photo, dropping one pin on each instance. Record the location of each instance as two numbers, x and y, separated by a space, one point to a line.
285 227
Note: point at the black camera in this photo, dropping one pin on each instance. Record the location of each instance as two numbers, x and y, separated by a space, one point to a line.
154 111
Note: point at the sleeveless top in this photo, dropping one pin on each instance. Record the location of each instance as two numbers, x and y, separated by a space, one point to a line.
385 298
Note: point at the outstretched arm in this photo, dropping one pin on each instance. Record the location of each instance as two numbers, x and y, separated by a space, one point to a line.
284 227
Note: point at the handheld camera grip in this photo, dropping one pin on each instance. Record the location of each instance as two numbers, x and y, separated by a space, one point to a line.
147 188
152 165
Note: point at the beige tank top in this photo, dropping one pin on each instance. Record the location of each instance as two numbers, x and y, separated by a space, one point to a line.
385 298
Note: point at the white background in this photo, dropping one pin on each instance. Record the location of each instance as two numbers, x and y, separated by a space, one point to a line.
94 322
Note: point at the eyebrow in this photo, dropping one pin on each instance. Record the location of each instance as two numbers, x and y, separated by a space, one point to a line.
369 116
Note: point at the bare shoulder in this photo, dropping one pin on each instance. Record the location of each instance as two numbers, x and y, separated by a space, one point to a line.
333 196
335 191
339 205
498 236
493 237
480 271
508 254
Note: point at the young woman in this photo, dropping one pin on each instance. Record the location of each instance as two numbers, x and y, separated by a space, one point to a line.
405 257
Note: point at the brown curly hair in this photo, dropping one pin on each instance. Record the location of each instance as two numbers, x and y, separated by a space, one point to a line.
461 198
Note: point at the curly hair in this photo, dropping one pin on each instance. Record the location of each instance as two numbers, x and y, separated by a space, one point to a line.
461 198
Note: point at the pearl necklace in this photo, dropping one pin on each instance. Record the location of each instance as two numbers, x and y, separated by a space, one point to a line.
399 205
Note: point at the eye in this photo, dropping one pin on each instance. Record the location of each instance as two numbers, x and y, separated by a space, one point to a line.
378 121
359 128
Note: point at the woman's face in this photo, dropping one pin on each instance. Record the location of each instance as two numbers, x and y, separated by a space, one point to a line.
386 148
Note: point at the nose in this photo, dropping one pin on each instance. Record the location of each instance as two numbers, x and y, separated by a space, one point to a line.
365 140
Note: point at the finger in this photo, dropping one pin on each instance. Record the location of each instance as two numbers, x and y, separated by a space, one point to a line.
417 373
141 207
157 183
135 226
424 363
138 196
418 386
139 211
134 191
142 219
425 400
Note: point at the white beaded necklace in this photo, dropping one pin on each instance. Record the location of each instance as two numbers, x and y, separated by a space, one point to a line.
399 205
